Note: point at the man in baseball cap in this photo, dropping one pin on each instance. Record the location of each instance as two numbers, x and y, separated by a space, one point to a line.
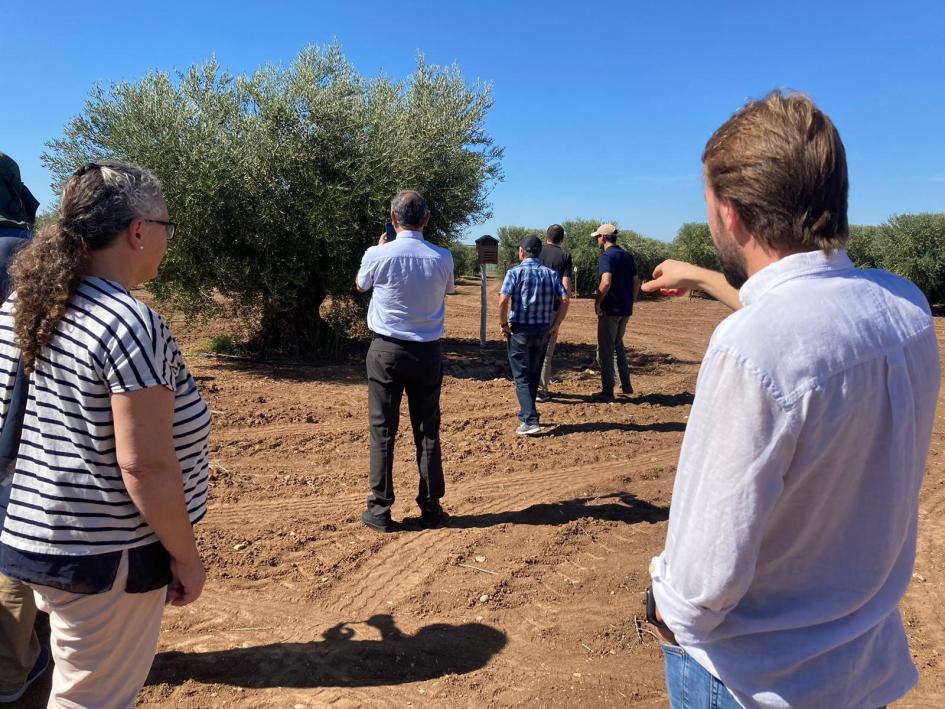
613 303
526 302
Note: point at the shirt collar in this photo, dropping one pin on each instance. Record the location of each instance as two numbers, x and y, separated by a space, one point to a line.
408 234
791 267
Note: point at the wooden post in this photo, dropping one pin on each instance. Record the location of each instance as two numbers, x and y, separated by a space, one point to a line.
484 308
487 251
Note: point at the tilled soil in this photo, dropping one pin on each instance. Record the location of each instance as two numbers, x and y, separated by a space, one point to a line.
532 595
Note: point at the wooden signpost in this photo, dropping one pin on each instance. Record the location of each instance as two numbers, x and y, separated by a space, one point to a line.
487 250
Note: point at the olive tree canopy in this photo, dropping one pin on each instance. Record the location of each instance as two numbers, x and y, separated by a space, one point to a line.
281 179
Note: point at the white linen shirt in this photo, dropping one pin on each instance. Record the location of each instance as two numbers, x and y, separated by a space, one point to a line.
410 277
792 530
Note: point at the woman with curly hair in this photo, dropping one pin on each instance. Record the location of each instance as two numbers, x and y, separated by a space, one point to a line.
111 470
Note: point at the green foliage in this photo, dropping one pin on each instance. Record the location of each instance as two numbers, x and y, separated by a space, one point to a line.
44 219
647 252
509 237
913 245
220 344
862 245
693 243
465 262
282 178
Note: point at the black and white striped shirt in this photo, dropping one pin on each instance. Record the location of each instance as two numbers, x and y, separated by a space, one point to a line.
68 496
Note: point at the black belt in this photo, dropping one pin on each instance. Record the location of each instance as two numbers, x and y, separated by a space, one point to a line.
403 343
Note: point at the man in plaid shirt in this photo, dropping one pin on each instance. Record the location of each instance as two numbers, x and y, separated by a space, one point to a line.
526 302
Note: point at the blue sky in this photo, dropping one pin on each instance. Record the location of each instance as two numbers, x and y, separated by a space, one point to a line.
603 108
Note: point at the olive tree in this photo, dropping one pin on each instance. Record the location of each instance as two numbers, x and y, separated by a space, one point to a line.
280 179
913 245
693 243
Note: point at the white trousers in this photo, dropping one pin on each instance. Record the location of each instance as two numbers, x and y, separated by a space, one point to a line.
103 644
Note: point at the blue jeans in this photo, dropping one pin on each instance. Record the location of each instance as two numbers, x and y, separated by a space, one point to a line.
527 345
690 686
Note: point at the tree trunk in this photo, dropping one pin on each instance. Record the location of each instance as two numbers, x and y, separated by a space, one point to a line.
295 329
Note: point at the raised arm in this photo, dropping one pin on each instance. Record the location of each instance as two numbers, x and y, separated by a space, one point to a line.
676 278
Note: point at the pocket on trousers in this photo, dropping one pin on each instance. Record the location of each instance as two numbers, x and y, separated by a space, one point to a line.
672 650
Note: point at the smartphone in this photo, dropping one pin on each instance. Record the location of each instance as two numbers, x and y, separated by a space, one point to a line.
391 232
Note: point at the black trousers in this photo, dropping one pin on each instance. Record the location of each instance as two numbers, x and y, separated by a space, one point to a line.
395 366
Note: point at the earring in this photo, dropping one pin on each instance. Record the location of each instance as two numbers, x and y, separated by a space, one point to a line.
140 248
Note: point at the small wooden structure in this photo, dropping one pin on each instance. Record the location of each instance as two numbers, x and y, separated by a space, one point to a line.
487 250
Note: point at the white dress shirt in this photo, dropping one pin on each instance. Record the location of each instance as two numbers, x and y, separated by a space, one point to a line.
792 530
410 277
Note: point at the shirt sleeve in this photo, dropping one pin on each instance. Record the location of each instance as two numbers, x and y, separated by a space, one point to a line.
738 445
560 290
568 271
139 353
603 264
365 277
451 276
508 284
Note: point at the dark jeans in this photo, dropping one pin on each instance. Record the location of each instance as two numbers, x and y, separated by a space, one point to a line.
610 349
394 366
527 346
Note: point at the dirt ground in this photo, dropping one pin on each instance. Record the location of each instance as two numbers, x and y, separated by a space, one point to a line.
532 596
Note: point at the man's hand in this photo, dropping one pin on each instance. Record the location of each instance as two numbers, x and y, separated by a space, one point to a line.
506 330
666 635
383 239
597 311
188 581
673 278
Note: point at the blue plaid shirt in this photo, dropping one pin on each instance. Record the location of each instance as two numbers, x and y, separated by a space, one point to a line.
534 290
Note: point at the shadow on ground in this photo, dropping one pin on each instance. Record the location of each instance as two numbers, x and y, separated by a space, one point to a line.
550 430
462 359
628 509
465 359
338 659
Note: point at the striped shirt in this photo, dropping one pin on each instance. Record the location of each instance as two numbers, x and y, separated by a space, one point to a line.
534 290
67 495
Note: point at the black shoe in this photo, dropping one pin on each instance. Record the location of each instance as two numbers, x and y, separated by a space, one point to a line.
602 396
627 390
543 397
433 517
379 523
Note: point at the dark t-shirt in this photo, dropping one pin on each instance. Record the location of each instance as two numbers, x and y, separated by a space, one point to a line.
557 259
622 269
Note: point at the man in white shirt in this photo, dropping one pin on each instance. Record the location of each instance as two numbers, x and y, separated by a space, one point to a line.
410 278
792 529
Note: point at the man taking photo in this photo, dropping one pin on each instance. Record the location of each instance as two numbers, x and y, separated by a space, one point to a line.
410 278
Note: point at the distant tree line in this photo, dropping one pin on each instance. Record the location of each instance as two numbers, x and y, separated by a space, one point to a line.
911 245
